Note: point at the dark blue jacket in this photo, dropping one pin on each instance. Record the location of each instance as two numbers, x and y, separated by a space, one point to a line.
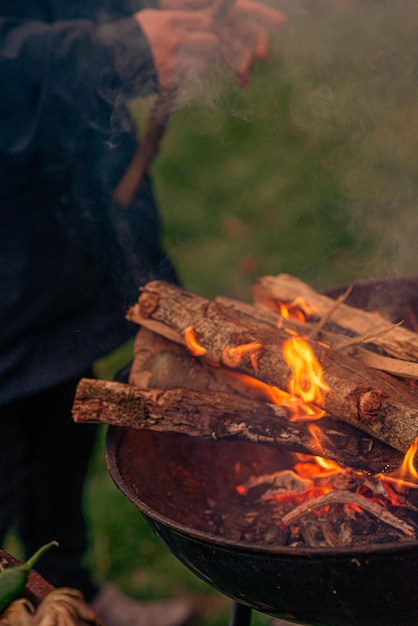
71 262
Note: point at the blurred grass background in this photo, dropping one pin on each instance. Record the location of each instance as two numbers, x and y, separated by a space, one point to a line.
310 170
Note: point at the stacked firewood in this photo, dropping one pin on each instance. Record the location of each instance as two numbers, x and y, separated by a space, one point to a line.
207 368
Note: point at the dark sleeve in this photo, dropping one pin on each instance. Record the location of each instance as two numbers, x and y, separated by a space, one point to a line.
56 80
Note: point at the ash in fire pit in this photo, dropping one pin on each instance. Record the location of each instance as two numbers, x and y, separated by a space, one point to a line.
246 493
317 504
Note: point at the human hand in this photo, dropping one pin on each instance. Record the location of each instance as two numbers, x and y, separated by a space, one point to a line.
186 36
182 43
244 31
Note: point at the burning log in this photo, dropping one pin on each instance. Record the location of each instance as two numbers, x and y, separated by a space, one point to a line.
372 401
162 364
220 415
394 340
264 314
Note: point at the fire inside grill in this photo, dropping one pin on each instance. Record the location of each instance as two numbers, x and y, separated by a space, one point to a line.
318 504
345 483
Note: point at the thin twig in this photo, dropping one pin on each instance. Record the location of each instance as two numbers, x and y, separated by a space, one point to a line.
367 337
346 497
325 318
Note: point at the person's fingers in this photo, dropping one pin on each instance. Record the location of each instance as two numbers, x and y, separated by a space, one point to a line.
239 51
262 42
192 59
186 41
192 20
201 48
181 42
248 9
184 5
244 34
257 12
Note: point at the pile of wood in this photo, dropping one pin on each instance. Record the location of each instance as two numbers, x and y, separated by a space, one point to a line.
202 367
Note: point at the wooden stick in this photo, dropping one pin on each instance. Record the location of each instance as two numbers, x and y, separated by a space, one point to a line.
219 415
261 314
398 342
145 152
162 364
325 318
347 497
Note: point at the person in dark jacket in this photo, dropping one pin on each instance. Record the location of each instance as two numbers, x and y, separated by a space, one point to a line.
71 259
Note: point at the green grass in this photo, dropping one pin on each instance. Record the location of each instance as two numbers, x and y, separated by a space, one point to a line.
311 170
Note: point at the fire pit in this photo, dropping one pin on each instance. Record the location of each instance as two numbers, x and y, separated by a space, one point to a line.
183 486
171 478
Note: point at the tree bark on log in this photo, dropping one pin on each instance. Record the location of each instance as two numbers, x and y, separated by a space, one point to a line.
219 415
162 364
372 401
263 314
396 341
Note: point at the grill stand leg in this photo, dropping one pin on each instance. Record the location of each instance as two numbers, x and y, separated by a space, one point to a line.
240 615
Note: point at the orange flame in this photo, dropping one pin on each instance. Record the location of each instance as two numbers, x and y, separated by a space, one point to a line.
304 395
327 465
406 475
298 309
318 437
264 391
316 466
307 382
318 470
191 342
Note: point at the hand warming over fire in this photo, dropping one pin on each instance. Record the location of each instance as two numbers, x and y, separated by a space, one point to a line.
187 36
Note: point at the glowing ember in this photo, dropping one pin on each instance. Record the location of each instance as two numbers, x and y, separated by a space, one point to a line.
318 488
233 355
282 484
191 342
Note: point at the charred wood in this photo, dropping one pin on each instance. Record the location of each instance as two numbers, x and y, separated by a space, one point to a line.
346 497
